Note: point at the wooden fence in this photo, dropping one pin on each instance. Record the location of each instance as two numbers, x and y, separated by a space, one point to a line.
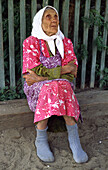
63 6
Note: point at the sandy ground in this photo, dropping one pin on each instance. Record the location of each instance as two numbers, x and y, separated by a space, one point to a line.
17 149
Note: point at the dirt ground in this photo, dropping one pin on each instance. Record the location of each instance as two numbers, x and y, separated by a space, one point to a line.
17 149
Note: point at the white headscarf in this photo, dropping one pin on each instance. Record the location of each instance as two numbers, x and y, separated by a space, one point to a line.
38 32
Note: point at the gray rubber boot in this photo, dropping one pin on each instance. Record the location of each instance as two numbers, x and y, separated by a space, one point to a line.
78 154
43 149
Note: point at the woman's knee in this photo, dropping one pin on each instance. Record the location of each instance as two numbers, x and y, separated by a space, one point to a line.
69 120
42 124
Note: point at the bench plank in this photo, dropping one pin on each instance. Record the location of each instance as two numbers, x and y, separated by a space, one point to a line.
16 113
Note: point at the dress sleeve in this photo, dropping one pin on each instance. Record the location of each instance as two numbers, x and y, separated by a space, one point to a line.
31 53
69 54
67 76
53 73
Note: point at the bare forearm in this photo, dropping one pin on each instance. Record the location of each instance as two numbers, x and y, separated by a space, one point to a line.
32 77
42 78
65 69
69 68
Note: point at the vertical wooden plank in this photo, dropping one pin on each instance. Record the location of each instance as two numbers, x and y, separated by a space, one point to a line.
11 43
56 5
65 17
94 48
85 42
45 2
76 22
76 26
2 76
22 28
105 34
33 8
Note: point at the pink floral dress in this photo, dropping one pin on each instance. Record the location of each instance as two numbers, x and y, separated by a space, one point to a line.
51 97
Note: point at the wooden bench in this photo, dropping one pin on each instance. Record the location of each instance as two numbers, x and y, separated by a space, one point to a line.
16 113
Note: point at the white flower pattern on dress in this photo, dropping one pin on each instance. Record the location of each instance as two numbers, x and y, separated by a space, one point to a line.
31 46
28 50
56 97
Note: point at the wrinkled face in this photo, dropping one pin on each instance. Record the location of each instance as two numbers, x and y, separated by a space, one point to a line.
50 22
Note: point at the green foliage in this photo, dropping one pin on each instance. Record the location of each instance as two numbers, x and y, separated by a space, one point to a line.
104 80
95 19
9 93
100 44
81 51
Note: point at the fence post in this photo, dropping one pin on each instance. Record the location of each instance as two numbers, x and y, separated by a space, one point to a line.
76 25
94 48
45 2
11 43
65 17
85 42
2 76
22 29
105 34
76 22
33 8
56 5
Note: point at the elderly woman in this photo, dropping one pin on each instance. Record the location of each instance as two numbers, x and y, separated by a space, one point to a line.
49 66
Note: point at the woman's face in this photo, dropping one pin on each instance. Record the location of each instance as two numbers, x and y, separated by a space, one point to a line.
50 22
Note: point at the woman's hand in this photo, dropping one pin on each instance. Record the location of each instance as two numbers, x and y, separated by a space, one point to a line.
73 69
69 68
32 77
